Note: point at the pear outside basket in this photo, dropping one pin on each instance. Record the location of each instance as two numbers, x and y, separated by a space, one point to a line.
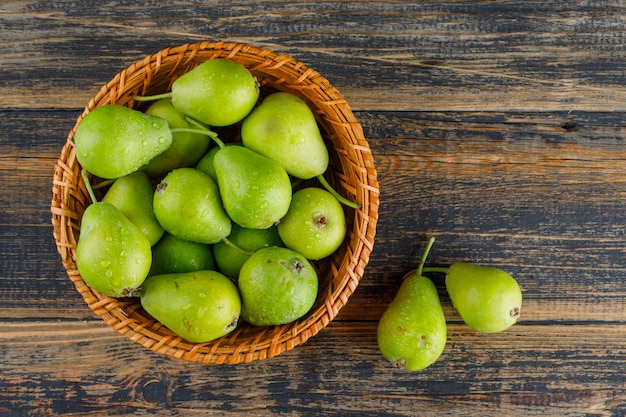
351 172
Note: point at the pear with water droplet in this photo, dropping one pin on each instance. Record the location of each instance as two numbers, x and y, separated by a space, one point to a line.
255 190
412 331
112 140
284 128
218 92
315 224
173 255
132 194
187 204
487 298
186 148
112 255
277 285
198 306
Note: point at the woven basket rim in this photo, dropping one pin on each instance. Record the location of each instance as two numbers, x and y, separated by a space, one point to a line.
354 173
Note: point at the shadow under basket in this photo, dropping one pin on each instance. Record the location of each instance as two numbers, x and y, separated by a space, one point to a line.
351 172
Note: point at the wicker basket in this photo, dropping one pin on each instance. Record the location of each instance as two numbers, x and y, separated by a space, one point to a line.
351 172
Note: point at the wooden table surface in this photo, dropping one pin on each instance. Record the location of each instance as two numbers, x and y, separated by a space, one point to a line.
496 126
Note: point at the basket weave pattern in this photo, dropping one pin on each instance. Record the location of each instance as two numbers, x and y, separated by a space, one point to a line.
351 172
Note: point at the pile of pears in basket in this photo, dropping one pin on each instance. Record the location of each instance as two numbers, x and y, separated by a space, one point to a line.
204 231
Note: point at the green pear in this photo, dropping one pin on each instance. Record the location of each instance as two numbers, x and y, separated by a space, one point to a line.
133 194
112 255
218 92
112 140
187 204
173 255
186 148
230 256
412 331
198 306
488 299
255 190
277 286
314 225
284 128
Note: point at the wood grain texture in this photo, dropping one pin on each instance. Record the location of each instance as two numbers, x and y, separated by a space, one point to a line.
352 380
460 55
496 126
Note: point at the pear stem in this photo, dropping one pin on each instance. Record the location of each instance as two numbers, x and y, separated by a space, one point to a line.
296 183
237 248
153 98
420 267
196 122
92 195
341 199
103 184
206 132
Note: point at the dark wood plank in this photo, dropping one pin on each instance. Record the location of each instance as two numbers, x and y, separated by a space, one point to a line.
460 55
85 368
